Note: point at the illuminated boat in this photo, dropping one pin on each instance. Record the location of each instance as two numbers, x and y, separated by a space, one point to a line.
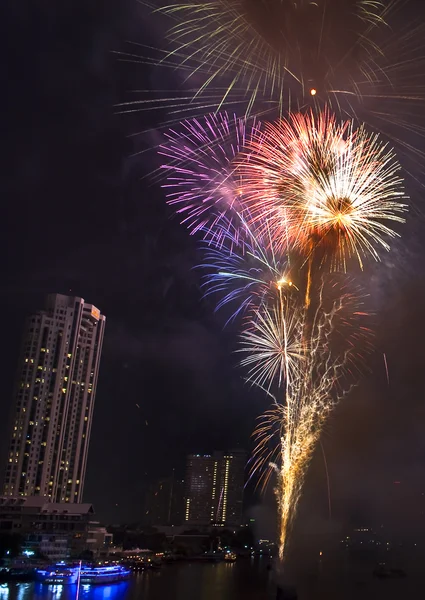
88 575
102 574
230 557
58 574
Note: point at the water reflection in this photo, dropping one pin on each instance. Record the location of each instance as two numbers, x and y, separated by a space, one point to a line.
178 582
243 580
4 591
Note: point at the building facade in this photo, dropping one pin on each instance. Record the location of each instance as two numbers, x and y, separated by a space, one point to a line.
214 488
231 488
54 530
99 541
54 400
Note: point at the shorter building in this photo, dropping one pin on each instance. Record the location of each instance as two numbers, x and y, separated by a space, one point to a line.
99 540
54 530
164 502
214 488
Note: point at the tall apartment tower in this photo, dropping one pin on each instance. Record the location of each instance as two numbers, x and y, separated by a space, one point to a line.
202 473
54 400
214 488
231 488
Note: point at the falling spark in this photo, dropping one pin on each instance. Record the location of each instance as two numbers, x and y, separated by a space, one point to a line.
386 368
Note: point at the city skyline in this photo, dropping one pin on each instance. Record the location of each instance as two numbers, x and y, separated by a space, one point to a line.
53 404
82 216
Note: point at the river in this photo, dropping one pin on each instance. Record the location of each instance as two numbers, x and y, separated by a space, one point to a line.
244 580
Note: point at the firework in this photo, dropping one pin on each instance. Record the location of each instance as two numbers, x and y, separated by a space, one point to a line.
202 182
268 57
305 358
336 188
269 47
267 201
274 344
311 377
245 269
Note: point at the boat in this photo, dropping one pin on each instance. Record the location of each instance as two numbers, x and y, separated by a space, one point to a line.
101 574
64 574
60 573
383 571
230 557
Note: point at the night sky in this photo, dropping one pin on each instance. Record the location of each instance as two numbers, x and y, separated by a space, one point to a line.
82 217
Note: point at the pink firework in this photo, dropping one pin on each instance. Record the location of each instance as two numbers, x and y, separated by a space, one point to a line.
203 183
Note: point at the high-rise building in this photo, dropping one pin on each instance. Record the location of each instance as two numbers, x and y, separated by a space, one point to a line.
54 400
231 488
214 488
164 502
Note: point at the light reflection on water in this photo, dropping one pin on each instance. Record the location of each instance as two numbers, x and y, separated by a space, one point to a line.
174 582
244 580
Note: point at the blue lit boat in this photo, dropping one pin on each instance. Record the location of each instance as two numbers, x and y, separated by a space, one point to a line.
103 574
58 574
63 574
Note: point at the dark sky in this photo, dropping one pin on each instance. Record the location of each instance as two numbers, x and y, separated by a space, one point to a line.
80 218
80 221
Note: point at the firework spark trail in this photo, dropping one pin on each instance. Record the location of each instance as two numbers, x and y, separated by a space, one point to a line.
311 379
386 369
262 46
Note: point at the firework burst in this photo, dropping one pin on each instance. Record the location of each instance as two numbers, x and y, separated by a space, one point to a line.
337 188
202 182
274 345
245 269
